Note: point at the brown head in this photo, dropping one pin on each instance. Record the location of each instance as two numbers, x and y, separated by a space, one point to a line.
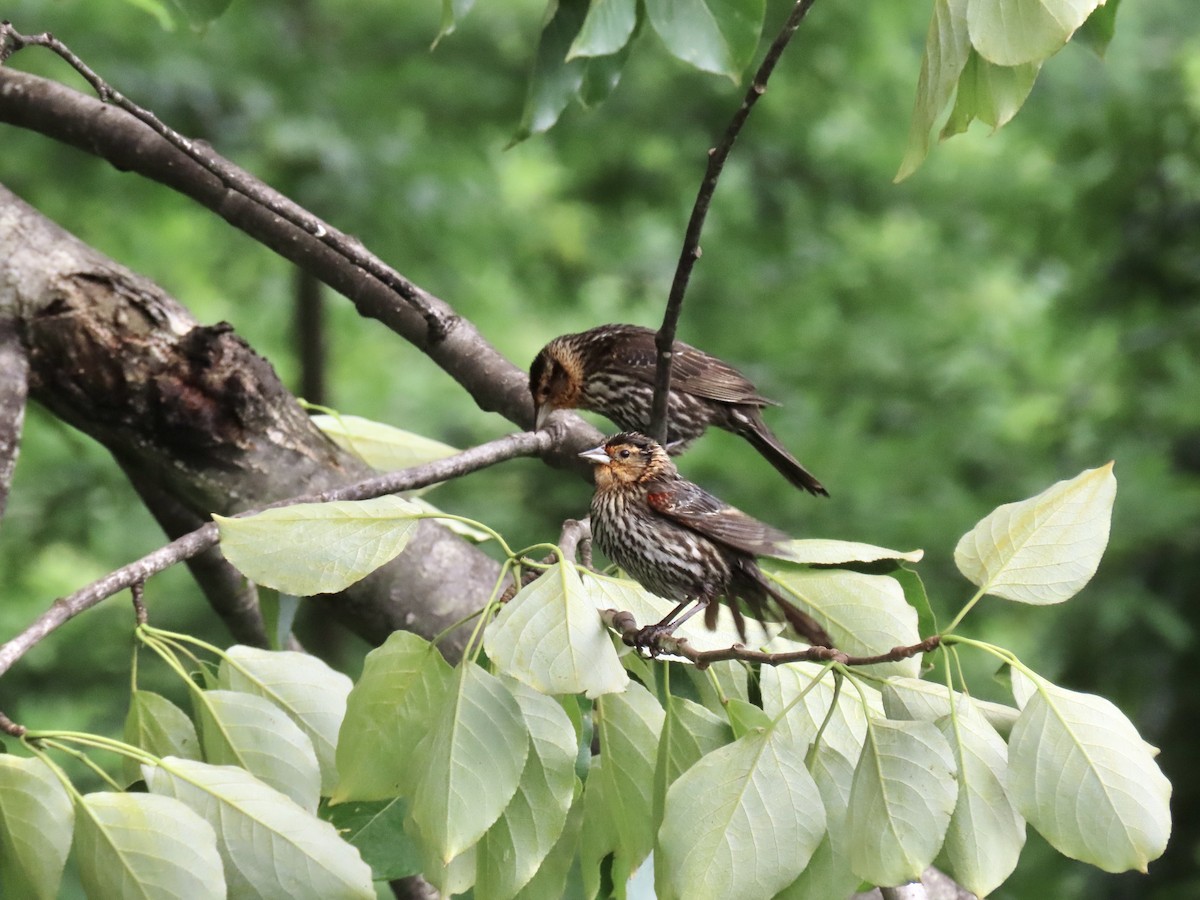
556 378
629 458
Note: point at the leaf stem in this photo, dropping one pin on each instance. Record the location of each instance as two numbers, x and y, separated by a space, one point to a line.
979 594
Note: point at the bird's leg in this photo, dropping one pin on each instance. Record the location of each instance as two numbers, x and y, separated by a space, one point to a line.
645 637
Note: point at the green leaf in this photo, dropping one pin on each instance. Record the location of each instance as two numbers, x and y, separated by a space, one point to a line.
828 872
986 834
903 794
990 93
598 837
864 614
551 877
847 726
381 446
270 846
555 79
1014 32
628 726
689 732
1084 778
607 28
37 819
389 710
602 75
376 828
915 596
926 701
142 845
279 614
512 850
1098 31
317 548
159 727
745 717
711 842
731 680
947 47
453 11
717 36
550 637
248 731
468 768
311 694
1044 549
809 551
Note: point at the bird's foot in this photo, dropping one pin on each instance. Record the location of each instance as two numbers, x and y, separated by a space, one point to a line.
645 639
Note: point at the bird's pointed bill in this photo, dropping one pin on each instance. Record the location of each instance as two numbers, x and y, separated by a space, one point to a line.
597 455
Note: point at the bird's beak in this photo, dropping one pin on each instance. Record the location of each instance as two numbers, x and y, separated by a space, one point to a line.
541 412
597 455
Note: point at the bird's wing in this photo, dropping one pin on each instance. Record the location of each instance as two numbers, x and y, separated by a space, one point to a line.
693 371
697 509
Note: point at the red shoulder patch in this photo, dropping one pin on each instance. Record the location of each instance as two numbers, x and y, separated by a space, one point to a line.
658 499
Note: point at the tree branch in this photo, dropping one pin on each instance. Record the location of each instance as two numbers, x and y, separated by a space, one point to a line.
665 339
204 420
239 180
627 627
495 384
527 443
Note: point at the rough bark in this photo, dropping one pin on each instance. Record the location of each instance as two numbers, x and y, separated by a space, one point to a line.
199 417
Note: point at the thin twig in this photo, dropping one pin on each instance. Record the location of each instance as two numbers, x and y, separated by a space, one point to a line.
236 179
528 443
665 339
138 590
8 726
627 627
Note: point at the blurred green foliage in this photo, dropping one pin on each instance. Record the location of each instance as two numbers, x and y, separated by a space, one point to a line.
1022 308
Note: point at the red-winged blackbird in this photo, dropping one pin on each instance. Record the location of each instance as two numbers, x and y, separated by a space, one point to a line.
610 370
679 541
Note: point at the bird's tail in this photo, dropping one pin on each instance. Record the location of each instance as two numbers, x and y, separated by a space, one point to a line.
750 425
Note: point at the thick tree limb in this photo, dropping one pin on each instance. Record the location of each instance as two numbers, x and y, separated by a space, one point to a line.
204 420
14 384
493 382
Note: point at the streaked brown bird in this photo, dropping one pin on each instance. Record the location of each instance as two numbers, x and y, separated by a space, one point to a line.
610 370
680 542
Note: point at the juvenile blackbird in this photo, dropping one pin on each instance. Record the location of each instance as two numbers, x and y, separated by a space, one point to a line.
610 370
680 542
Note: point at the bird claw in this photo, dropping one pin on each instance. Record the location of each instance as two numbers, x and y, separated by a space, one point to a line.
646 639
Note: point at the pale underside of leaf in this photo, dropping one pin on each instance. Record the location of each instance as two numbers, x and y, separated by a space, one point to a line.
36 823
318 548
1044 549
903 794
1084 778
270 846
144 845
550 637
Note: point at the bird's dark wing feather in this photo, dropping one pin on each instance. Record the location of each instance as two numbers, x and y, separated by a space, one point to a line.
695 508
693 371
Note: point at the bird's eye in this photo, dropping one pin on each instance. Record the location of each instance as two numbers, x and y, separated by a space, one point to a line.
624 454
